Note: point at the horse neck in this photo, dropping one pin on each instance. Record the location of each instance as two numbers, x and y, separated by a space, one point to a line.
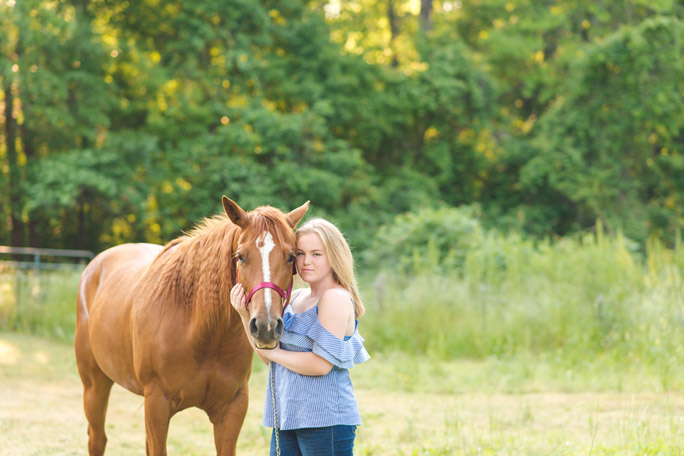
203 276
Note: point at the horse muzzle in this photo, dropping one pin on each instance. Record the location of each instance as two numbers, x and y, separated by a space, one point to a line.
266 332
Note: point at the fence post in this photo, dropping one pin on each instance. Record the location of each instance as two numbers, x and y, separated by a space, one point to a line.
17 294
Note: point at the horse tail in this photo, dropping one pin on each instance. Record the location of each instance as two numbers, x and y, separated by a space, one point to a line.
87 288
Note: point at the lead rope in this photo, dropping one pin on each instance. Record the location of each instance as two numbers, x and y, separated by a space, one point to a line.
275 413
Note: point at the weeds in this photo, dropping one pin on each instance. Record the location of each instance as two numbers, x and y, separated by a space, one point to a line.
575 303
575 299
42 303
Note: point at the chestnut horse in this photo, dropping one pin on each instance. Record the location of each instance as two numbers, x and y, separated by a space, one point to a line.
158 321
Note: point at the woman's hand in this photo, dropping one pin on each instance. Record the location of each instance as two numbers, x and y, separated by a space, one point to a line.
268 355
237 299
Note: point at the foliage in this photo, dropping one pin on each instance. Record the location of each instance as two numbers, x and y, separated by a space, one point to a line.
487 295
127 121
422 130
427 241
592 295
613 143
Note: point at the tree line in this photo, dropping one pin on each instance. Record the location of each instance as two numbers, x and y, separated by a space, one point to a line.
127 121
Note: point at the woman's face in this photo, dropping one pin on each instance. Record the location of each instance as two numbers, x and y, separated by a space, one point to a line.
312 260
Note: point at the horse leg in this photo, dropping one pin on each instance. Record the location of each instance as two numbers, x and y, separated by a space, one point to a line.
96 389
228 422
95 400
157 417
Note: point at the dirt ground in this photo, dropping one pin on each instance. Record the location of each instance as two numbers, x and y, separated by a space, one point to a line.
41 414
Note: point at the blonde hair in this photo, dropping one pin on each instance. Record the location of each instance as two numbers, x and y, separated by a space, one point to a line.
339 255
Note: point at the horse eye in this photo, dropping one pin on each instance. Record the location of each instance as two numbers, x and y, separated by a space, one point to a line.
240 258
291 258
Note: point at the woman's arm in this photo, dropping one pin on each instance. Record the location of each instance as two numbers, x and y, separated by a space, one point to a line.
303 363
334 311
237 299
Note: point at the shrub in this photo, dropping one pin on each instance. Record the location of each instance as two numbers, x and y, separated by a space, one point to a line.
426 240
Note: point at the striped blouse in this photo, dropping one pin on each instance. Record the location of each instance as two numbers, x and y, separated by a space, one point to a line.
315 401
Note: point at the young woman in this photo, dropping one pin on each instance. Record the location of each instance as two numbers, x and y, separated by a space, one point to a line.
316 408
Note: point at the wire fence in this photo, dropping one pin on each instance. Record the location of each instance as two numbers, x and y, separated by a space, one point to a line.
38 289
38 258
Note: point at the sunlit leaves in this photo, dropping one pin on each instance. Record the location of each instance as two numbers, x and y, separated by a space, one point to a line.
548 114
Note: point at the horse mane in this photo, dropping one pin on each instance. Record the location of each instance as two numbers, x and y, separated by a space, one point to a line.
194 273
267 218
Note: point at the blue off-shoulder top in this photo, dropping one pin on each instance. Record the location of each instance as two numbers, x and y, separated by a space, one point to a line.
315 401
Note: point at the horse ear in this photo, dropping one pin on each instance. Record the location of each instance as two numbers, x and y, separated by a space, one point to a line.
234 212
296 215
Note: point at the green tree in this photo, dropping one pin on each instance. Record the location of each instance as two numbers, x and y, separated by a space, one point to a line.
252 100
51 74
612 142
127 121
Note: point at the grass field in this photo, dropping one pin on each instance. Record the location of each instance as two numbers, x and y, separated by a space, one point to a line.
571 347
410 407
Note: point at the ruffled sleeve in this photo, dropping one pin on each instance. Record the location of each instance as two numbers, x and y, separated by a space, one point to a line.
305 331
341 353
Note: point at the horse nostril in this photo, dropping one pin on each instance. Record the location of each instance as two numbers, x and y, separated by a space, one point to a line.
279 327
253 330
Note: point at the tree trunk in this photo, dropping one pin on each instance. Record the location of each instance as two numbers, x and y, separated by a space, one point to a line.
425 16
394 31
80 242
30 152
14 181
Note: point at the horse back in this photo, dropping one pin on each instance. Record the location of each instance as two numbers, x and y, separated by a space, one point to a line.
105 299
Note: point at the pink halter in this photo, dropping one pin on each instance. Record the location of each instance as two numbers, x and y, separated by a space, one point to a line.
271 285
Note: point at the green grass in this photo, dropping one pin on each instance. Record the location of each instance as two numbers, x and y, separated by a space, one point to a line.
42 303
410 406
572 347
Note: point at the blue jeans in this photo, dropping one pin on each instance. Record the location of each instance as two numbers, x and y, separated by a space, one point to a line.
325 441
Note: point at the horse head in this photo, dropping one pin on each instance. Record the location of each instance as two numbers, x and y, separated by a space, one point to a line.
264 255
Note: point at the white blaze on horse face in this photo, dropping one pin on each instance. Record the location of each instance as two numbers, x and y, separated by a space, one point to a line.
265 244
